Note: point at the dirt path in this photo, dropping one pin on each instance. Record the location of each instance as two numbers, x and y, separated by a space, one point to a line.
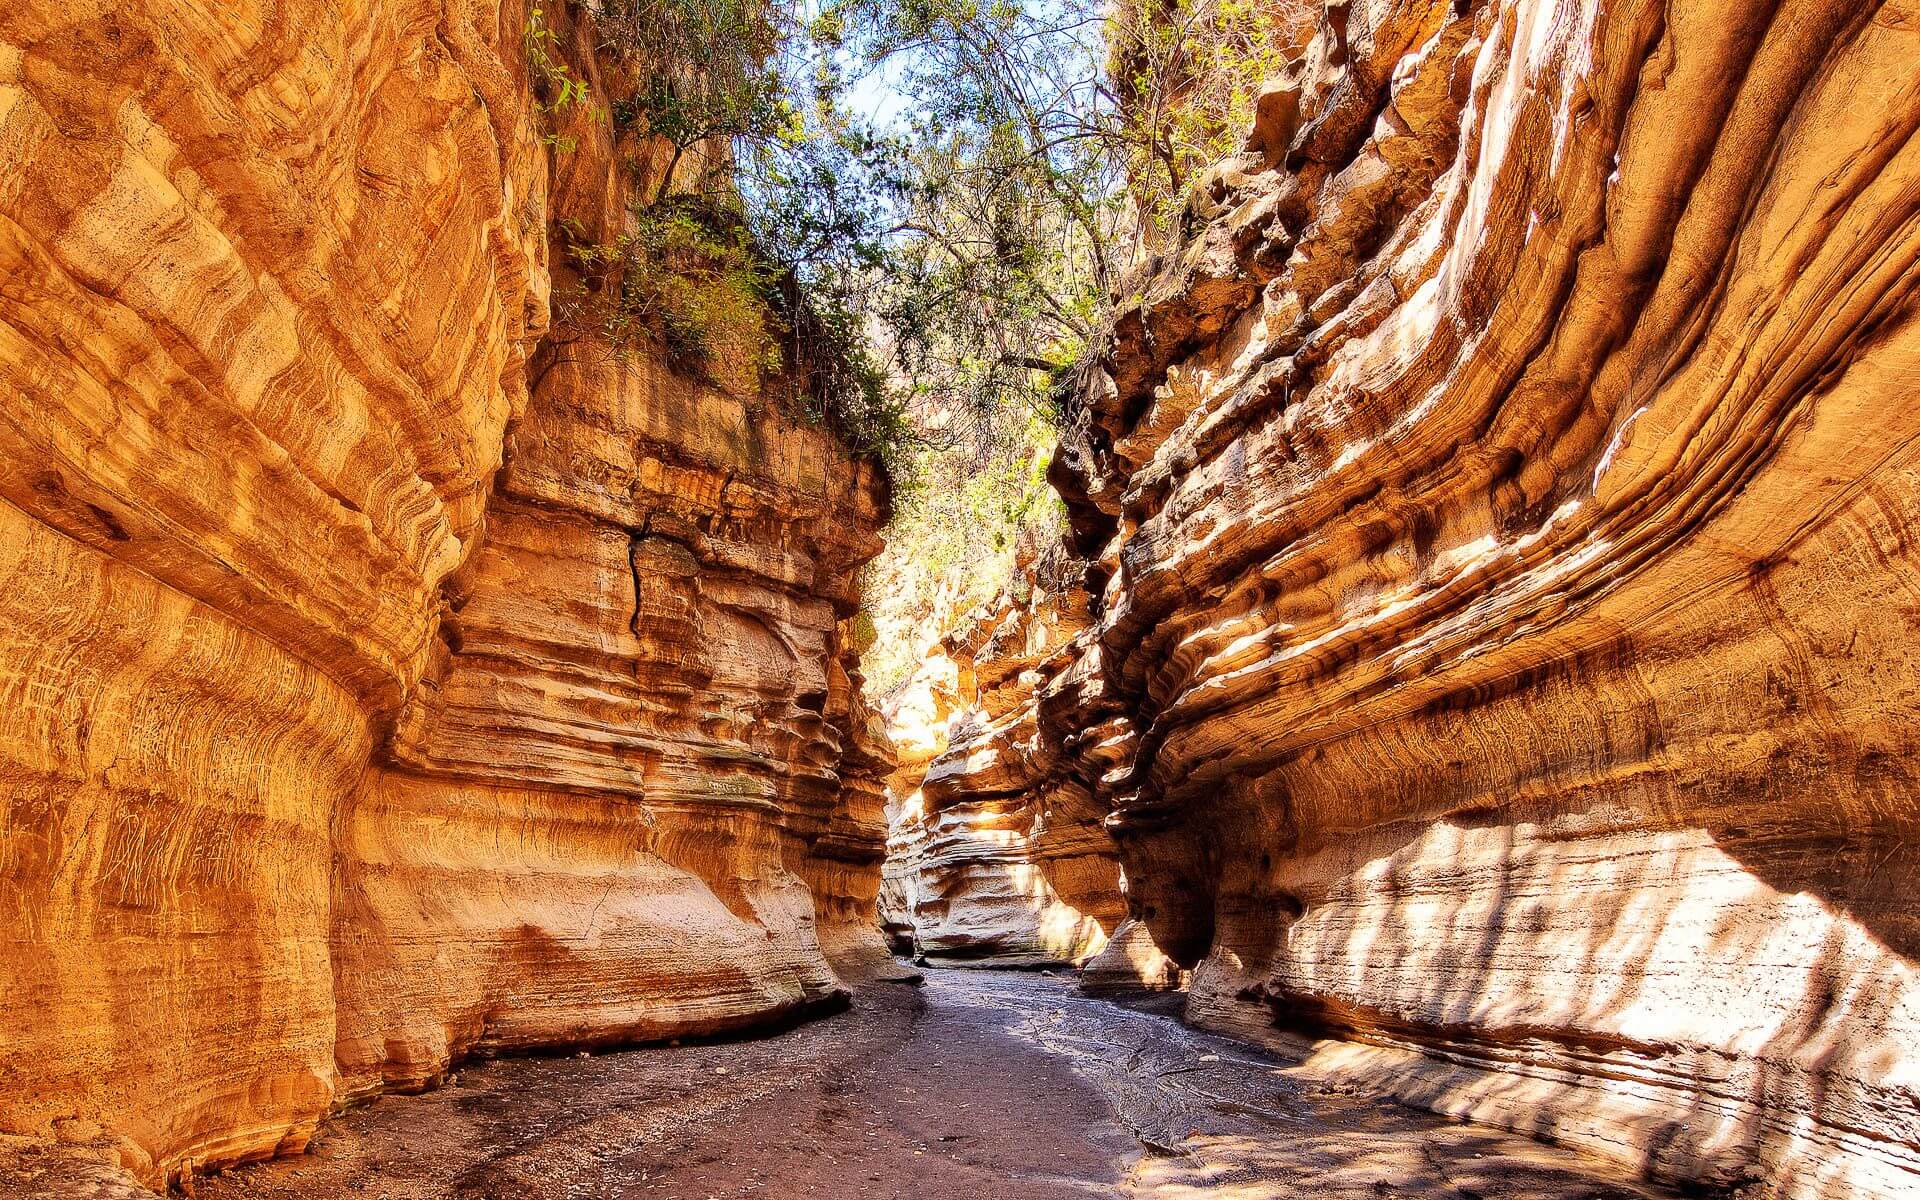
980 1086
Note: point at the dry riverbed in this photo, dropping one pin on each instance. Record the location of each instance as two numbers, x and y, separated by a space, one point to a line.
981 1085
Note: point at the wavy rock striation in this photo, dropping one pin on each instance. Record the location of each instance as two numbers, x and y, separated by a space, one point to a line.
1501 519
382 679
993 856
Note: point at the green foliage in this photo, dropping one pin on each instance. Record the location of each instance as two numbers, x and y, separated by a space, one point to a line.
969 238
973 239
700 72
913 280
1002 194
682 271
1188 72
688 276
750 266
556 87
1029 169
831 378
956 258
954 546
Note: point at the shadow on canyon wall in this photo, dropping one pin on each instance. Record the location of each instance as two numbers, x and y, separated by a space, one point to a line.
1730 1005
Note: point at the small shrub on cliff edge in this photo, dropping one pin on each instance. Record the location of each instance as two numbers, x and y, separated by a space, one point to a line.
688 274
753 260
683 270
555 86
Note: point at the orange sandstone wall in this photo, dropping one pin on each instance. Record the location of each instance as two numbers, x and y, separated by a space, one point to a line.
1501 518
993 855
378 681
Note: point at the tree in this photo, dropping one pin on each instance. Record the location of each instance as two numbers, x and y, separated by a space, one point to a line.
700 72
1186 74
928 267
1005 216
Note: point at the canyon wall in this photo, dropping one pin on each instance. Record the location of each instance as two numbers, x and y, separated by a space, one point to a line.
1502 523
384 676
991 856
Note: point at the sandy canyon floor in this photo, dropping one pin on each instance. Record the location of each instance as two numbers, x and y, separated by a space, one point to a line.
980 1085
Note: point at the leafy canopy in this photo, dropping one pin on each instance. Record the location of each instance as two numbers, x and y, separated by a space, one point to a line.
935 199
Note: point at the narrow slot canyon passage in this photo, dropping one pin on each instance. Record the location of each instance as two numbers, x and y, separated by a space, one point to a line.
980 1084
928 600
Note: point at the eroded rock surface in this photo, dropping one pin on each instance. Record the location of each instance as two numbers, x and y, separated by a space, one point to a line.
383 677
1501 515
992 854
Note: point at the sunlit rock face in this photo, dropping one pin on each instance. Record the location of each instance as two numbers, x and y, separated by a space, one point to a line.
381 678
1130 961
991 855
1501 515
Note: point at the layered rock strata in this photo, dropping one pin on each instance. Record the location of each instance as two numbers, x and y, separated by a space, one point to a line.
1501 520
384 677
991 856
